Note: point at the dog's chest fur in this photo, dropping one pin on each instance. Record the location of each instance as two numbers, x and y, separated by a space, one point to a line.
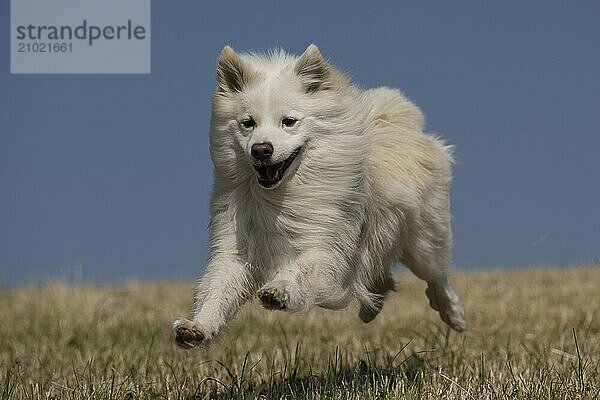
273 228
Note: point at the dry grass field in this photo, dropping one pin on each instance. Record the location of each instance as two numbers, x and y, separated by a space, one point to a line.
534 334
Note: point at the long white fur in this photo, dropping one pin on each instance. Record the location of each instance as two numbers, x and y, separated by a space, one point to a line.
368 189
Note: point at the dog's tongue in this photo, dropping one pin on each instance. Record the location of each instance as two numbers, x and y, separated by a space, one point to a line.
271 171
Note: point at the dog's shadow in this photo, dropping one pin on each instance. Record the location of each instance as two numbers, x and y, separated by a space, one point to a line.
352 379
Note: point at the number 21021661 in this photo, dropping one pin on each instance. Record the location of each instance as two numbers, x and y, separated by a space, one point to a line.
45 47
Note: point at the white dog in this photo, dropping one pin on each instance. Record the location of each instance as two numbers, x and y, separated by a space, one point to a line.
319 188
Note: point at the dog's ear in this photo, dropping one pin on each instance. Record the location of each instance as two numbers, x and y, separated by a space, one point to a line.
313 70
232 74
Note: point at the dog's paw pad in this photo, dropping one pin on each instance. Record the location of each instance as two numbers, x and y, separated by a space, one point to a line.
188 334
432 300
273 298
368 314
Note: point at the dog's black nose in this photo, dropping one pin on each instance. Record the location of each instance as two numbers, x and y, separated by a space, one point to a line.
262 151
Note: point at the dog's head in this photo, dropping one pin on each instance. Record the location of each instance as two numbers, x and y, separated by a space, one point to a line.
267 110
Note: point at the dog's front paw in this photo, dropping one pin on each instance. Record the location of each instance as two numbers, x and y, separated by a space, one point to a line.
189 334
273 298
279 295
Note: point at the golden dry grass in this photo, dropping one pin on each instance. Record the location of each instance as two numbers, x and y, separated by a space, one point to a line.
533 334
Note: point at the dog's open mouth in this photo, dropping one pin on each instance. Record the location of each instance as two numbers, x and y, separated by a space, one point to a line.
270 174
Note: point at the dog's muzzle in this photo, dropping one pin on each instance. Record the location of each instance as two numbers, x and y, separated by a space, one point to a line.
270 174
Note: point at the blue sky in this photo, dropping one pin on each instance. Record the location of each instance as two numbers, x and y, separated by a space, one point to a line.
106 177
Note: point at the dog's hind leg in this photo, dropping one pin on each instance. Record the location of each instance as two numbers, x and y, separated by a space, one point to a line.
442 296
373 279
378 291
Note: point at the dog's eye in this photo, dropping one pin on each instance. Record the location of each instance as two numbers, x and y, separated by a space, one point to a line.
249 123
289 122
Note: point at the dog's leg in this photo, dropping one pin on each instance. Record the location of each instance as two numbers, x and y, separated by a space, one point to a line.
368 311
315 279
225 286
444 299
440 292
